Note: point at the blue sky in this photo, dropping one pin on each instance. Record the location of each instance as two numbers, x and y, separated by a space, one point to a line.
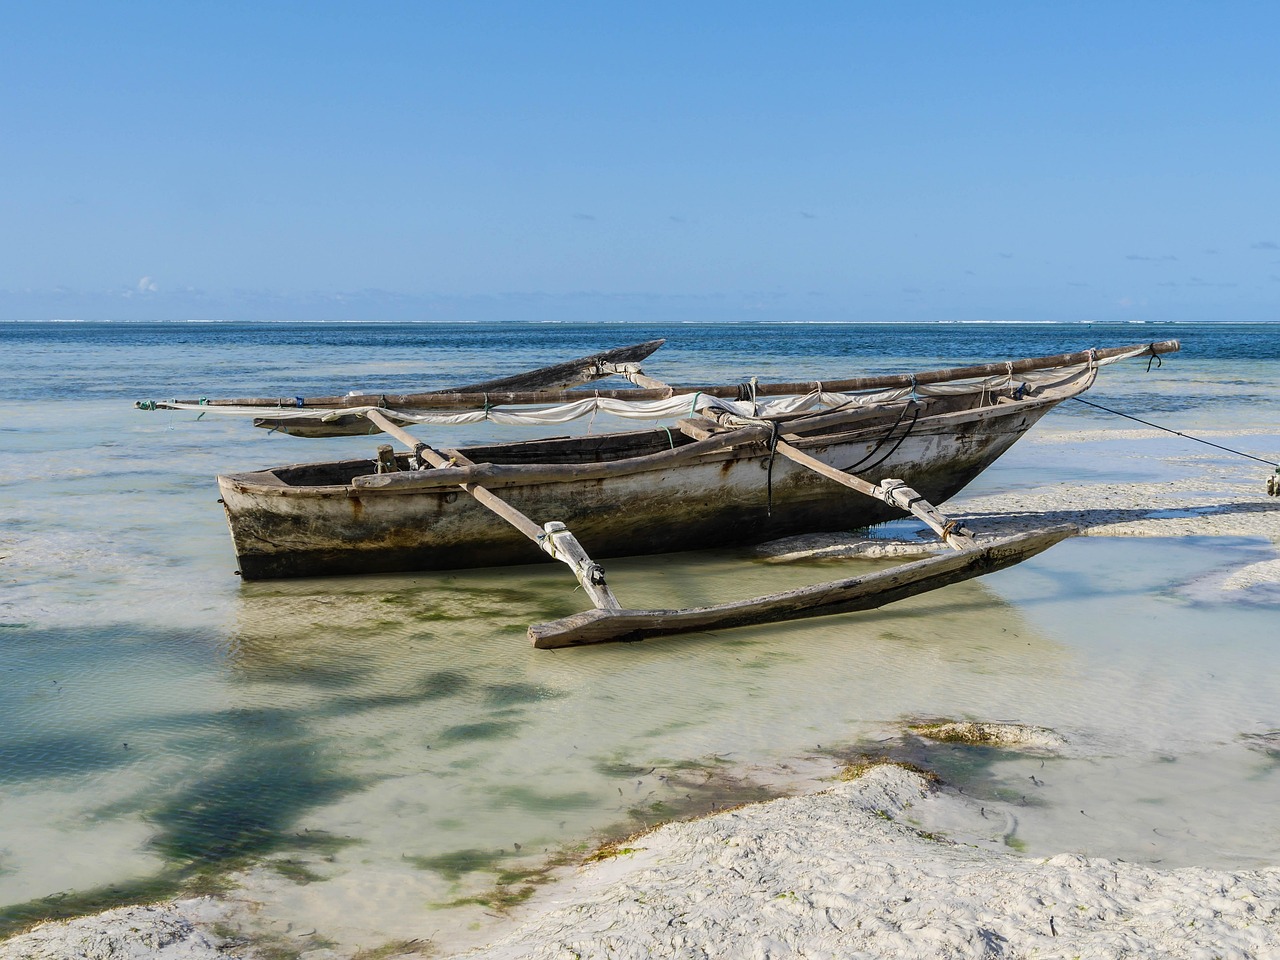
656 161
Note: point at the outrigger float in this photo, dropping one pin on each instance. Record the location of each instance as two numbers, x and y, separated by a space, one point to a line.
739 464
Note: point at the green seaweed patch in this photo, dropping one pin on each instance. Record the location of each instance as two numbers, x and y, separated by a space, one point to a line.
397 948
526 799
971 767
436 686
687 790
246 806
611 851
622 769
509 694
980 734
295 870
511 887
859 766
472 732
189 880
17 918
1267 743
454 865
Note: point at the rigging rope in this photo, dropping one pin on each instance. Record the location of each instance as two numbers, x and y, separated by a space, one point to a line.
1176 433
915 415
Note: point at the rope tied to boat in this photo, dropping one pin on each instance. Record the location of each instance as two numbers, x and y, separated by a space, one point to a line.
1273 481
773 455
593 573
1154 357
912 405
1178 433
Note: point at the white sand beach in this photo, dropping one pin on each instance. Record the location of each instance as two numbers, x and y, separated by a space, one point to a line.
885 864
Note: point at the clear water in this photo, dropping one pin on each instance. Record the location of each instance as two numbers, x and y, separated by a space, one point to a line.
360 751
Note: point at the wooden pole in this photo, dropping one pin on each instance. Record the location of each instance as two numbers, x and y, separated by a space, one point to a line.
554 539
471 400
893 492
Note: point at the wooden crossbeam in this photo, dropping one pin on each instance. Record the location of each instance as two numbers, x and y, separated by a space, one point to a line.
553 538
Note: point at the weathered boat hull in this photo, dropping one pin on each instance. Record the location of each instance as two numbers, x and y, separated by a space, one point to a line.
285 528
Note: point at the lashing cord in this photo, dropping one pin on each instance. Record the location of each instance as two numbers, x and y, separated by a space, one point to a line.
1176 433
911 405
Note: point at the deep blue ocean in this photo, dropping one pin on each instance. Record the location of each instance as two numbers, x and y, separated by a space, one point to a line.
109 359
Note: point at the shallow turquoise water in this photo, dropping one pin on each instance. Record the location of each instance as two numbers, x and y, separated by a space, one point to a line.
398 737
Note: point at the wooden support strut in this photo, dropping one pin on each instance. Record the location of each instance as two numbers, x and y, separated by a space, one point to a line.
554 538
893 492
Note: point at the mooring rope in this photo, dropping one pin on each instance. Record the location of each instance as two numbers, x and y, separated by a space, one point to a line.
1176 433
773 454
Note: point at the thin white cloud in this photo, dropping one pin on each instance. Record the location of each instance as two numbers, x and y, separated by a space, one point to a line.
147 285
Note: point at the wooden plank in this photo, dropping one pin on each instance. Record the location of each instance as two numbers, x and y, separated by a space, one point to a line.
470 400
893 492
571 373
557 376
840 596
519 474
386 460
553 539
637 376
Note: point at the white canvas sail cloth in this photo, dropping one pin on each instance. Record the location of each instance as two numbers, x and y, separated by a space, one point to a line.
682 405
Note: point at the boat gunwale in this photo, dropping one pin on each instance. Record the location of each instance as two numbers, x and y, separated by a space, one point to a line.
248 483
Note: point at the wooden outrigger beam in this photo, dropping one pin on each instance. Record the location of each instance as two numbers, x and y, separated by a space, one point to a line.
840 596
969 560
471 399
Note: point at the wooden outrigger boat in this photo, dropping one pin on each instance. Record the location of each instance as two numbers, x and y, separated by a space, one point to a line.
740 464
